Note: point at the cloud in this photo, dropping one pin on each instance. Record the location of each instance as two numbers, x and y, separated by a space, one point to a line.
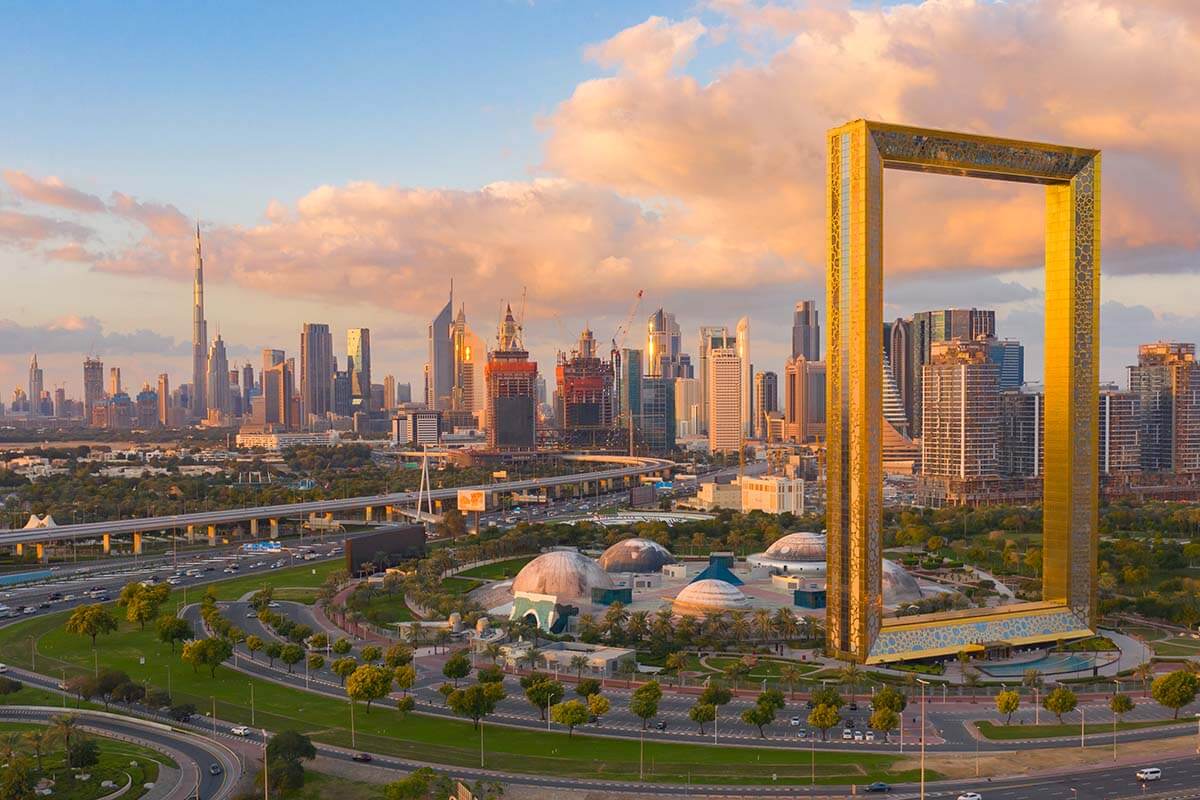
51 191
75 334
161 220
26 230
650 49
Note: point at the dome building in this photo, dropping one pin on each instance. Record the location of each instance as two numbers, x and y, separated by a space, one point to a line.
636 555
799 553
709 596
899 587
554 586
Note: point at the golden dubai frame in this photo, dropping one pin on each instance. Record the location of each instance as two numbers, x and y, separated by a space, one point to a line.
859 152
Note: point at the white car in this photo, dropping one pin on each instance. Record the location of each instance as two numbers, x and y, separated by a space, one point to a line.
858 736
1149 774
848 734
970 796
240 730
3 668
795 722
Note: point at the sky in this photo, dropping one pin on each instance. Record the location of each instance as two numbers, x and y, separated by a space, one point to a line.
345 166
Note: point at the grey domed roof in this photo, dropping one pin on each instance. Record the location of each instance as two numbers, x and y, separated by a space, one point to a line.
636 555
898 586
709 594
799 546
564 574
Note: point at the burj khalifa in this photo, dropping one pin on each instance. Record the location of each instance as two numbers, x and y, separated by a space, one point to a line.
199 339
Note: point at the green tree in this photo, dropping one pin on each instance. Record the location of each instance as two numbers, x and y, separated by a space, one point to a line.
790 674
344 668
253 644
1176 690
1120 704
404 676
83 752
291 654
759 715
405 704
598 705
291 746
543 693
342 646
644 701
273 650
1007 703
892 698
17 779
421 784
883 719
827 696
823 717
476 701
315 661
702 713
172 629
398 655
458 666
91 621
1060 701
370 654
369 683
210 653
850 675
587 687
490 674
570 713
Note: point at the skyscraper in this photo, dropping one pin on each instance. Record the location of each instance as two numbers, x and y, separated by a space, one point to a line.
404 393
199 339
358 364
1120 434
961 407
629 385
656 426
687 406
164 399
35 388
766 400
247 387
806 331
511 391
664 348
439 369
804 399
217 380
1009 357
468 354
278 386
389 392
316 371
726 404
743 351
93 386
711 337
1167 381
584 398
114 381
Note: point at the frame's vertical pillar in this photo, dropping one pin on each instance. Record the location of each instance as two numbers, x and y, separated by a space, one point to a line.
854 412
1071 483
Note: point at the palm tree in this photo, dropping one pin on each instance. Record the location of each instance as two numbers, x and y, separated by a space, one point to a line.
850 675
492 651
790 674
739 626
1144 672
64 728
972 680
579 664
713 625
38 742
786 626
764 624
675 662
627 668
638 625
10 747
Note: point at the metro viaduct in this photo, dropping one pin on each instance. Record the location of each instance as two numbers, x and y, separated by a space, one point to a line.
627 472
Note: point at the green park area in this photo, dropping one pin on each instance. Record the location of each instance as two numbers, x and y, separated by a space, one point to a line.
459 585
497 570
387 608
1177 646
120 762
385 731
991 730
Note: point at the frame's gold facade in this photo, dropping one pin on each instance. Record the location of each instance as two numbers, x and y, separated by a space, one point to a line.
859 151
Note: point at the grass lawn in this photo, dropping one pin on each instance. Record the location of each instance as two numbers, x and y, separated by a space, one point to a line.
498 571
296 594
460 585
991 730
114 765
765 668
1149 634
1177 646
387 608
432 739
319 786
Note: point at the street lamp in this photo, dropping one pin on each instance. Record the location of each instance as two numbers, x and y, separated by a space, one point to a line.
1082 722
922 734
1116 689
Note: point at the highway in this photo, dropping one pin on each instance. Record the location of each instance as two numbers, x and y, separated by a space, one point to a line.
638 467
195 755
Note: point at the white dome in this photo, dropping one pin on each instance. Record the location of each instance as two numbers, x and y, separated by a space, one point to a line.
898 586
709 595
564 574
636 555
799 546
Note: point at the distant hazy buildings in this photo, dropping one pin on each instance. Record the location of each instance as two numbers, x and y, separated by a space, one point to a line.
806 331
199 339
804 399
316 371
439 369
358 364
1166 380
35 388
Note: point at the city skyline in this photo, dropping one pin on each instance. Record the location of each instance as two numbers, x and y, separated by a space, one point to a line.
99 256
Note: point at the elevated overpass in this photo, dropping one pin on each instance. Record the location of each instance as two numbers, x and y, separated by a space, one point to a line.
622 471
